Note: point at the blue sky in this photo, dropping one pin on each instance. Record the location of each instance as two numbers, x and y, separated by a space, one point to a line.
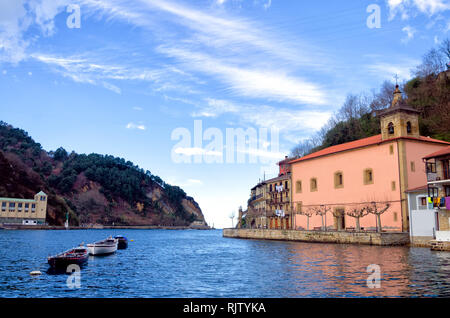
135 71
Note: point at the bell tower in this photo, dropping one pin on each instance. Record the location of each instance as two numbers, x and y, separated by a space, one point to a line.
399 120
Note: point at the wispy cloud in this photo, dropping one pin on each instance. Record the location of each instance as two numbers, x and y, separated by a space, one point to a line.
410 31
196 151
285 120
249 59
408 8
17 16
13 21
136 126
254 83
386 70
186 183
84 70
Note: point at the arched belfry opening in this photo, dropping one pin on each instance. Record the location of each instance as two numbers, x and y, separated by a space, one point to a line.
391 129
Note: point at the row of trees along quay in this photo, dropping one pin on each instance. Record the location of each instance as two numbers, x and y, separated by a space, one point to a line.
356 211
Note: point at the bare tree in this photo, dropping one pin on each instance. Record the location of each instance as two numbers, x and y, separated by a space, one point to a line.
302 149
357 212
322 210
445 48
377 209
433 62
232 216
308 213
383 98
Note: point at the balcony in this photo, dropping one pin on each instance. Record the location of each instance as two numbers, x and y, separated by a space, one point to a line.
282 191
438 172
435 179
277 201
432 176
256 197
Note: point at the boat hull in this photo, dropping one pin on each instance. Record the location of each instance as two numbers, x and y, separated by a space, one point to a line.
123 242
122 245
63 263
98 249
78 256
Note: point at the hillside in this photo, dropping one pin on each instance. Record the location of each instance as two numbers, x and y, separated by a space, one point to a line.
92 188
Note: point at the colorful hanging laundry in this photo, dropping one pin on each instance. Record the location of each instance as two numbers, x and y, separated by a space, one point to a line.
429 203
442 202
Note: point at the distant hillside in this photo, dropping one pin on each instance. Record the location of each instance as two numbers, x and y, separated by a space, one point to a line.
431 96
92 188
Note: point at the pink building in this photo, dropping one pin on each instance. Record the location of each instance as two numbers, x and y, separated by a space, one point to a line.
349 176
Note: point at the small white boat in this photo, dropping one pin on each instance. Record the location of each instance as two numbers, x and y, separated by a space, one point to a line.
108 246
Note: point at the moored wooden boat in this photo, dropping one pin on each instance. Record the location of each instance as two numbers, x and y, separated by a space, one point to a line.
78 255
123 242
104 247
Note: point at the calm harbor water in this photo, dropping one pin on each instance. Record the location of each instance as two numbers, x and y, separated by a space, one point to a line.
189 263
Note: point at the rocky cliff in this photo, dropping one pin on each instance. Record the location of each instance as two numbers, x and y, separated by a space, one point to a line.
94 189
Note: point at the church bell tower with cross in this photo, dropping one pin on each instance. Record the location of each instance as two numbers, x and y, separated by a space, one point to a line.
400 119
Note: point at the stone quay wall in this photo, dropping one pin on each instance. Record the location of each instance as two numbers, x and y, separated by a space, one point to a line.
341 237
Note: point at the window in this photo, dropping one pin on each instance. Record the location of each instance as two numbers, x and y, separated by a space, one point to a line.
286 185
313 184
33 207
27 206
408 127
298 187
431 167
299 207
12 206
42 198
368 176
423 201
446 168
433 192
447 191
338 180
3 206
391 149
393 185
413 166
395 216
19 207
270 187
391 128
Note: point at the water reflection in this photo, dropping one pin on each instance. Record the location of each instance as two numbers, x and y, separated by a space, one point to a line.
327 270
204 264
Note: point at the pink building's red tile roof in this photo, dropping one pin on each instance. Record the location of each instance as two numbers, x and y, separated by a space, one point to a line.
359 144
442 152
418 189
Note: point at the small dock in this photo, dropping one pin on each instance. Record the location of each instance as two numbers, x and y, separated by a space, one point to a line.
440 246
339 237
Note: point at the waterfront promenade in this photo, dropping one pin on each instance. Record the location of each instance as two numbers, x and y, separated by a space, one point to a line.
342 237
